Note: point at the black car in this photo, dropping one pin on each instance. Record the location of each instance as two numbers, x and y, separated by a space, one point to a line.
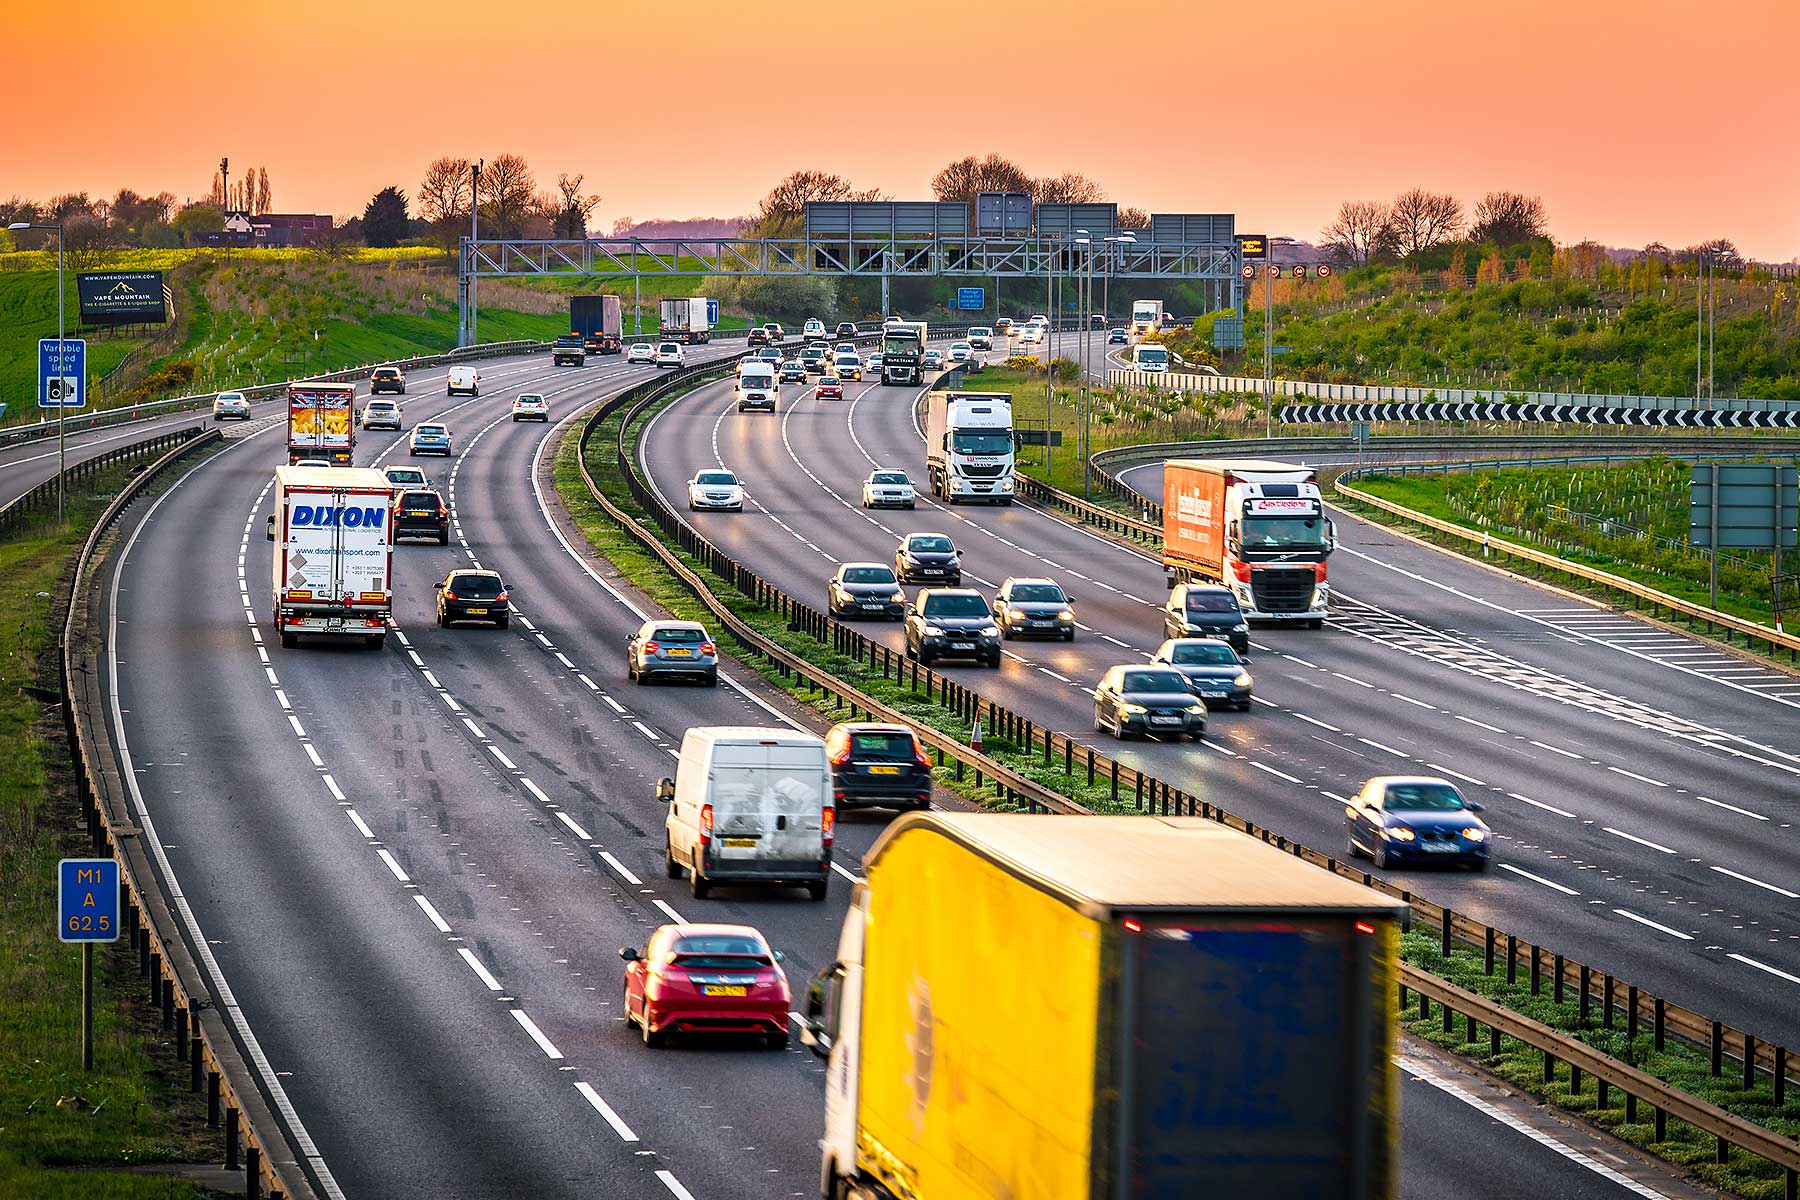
793 371
865 589
952 623
928 558
758 336
1117 337
1034 608
878 764
471 595
1212 668
846 329
1148 700
422 514
387 379
1206 610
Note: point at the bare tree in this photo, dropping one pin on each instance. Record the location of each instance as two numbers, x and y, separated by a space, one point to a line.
962 179
1067 188
1361 230
568 208
508 195
263 200
88 240
621 226
71 207
1133 218
444 192
783 210
1425 219
1508 218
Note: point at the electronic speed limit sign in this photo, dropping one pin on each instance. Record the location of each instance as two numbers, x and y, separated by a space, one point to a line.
1249 272
1324 270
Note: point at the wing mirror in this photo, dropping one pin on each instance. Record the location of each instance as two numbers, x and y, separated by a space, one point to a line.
665 789
1474 805
438 586
271 528
630 955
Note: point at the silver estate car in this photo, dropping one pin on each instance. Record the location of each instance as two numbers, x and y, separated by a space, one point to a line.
672 648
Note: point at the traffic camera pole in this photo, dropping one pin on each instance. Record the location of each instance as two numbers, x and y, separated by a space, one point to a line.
62 410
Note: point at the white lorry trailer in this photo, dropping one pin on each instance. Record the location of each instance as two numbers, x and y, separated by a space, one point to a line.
685 320
969 446
333 531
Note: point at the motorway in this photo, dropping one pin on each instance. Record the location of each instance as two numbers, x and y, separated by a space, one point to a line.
410 871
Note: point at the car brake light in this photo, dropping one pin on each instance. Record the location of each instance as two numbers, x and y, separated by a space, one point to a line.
708 648
442 511
919 755
706 824
500 599
1133 926
1318 572
651 647
1364 927
842 756
828 823
449 595
1242 571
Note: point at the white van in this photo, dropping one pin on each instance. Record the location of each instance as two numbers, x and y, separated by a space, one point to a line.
750 806
463 379
757 385
1148 356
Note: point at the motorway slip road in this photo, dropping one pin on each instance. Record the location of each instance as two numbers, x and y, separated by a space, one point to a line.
1643 810
414 867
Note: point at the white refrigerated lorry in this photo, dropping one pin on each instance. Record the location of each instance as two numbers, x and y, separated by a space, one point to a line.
969 446
333 531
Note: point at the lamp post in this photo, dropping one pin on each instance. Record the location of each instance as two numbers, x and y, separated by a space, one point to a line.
474 211
1083 279
61 408
1122 239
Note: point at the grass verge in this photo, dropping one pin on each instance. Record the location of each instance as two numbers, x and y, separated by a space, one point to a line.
65 1132
1686 1067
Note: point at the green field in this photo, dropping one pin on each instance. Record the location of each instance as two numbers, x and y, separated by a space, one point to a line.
27 313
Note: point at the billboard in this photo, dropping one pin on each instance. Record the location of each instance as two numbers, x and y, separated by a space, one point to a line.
121 297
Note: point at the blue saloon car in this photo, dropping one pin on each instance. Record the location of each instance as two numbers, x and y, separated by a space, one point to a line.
1399 820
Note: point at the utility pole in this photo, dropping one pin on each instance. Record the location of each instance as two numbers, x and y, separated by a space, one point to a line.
224 184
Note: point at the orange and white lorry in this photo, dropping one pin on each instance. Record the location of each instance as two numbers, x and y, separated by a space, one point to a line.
1258 527
320 423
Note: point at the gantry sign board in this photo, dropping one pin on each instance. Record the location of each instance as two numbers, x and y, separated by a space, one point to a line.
1251 246
1754 506
1003 212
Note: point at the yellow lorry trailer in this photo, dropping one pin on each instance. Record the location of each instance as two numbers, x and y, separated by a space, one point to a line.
1103 1008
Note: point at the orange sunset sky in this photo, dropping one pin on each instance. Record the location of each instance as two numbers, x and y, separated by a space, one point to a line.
1635 120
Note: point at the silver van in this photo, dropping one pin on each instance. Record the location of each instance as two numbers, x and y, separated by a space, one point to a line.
750 806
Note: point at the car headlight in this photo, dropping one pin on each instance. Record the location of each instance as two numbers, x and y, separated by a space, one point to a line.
1017 614
1475 833
1398 833
933 631
898 597
1240 627
990 631
1133 710
1196 708
1243 680
1065 615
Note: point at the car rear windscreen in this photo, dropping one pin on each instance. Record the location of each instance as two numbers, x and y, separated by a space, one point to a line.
679 636
888 747
420 500
477 587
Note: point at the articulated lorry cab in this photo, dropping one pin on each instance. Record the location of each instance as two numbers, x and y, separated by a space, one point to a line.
333 531
1105 1008
1257 527
902 352
969 452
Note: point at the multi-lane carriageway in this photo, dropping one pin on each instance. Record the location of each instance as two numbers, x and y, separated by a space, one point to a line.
409 872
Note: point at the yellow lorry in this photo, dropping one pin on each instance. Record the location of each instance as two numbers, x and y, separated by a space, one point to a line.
1103 1008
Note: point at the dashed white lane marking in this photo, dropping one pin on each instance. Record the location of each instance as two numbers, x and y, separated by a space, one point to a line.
591 685
621 868
1780 891
299 729
1640 778
1556 750
674 1185
431 913
613 704
852 876
577 830
331 785
1561 812
1731 808
1632 837
1263 766
668 911
647 731
1319 723
537 1035
501 755
1656 925
468 956
474 729
1427 1074
362 826
312 754
1551 884
607 1114
1457 775
537 791
393 864
1374 745
1763 966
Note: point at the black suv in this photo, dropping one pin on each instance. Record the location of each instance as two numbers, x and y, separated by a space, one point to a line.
422 514
570 351
1206 610
952 623
758 336
877 764
1034 608
846 329
387 379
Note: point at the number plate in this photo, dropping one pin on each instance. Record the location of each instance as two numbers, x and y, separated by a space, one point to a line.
334 623
1212 693
1157 720
725 989
681 654
741 843
1439 847
476 612
962 645
884 770
873 604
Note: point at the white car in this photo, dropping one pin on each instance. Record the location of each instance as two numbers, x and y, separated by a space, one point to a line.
312 462
641 352
529 406
405 479
381 414
231 404
1032 334
670 354
814 331
717 489
887 488
847 366
961 352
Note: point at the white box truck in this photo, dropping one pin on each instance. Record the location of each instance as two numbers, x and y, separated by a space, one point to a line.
333 531
1146 316
969 446
685 320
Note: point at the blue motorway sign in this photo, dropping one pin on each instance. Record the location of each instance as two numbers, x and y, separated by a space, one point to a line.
62 373
87 900
712 312
971 298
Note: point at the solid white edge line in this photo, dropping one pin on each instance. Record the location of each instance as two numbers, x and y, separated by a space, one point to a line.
468 956
537 1035
605 1110
431 914
1567 891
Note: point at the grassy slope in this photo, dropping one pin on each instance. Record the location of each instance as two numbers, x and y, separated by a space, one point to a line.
27 313
136 1109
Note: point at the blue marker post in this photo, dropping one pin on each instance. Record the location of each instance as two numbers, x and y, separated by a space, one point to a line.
87 911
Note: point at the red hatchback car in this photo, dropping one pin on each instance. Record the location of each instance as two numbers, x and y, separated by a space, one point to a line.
831 387
707 979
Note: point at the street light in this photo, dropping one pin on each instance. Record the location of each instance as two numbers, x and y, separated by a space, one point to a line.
62 408
1123 239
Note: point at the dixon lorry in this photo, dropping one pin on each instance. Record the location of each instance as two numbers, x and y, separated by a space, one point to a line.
320 422
599 322
1257 527
1105 1008
902 352
685 320
969 445
334 544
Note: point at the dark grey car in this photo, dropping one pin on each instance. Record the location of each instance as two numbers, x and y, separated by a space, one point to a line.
1034 608
1148 700
928 558
1212 668
865 589
1206 610
672 648
952 623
